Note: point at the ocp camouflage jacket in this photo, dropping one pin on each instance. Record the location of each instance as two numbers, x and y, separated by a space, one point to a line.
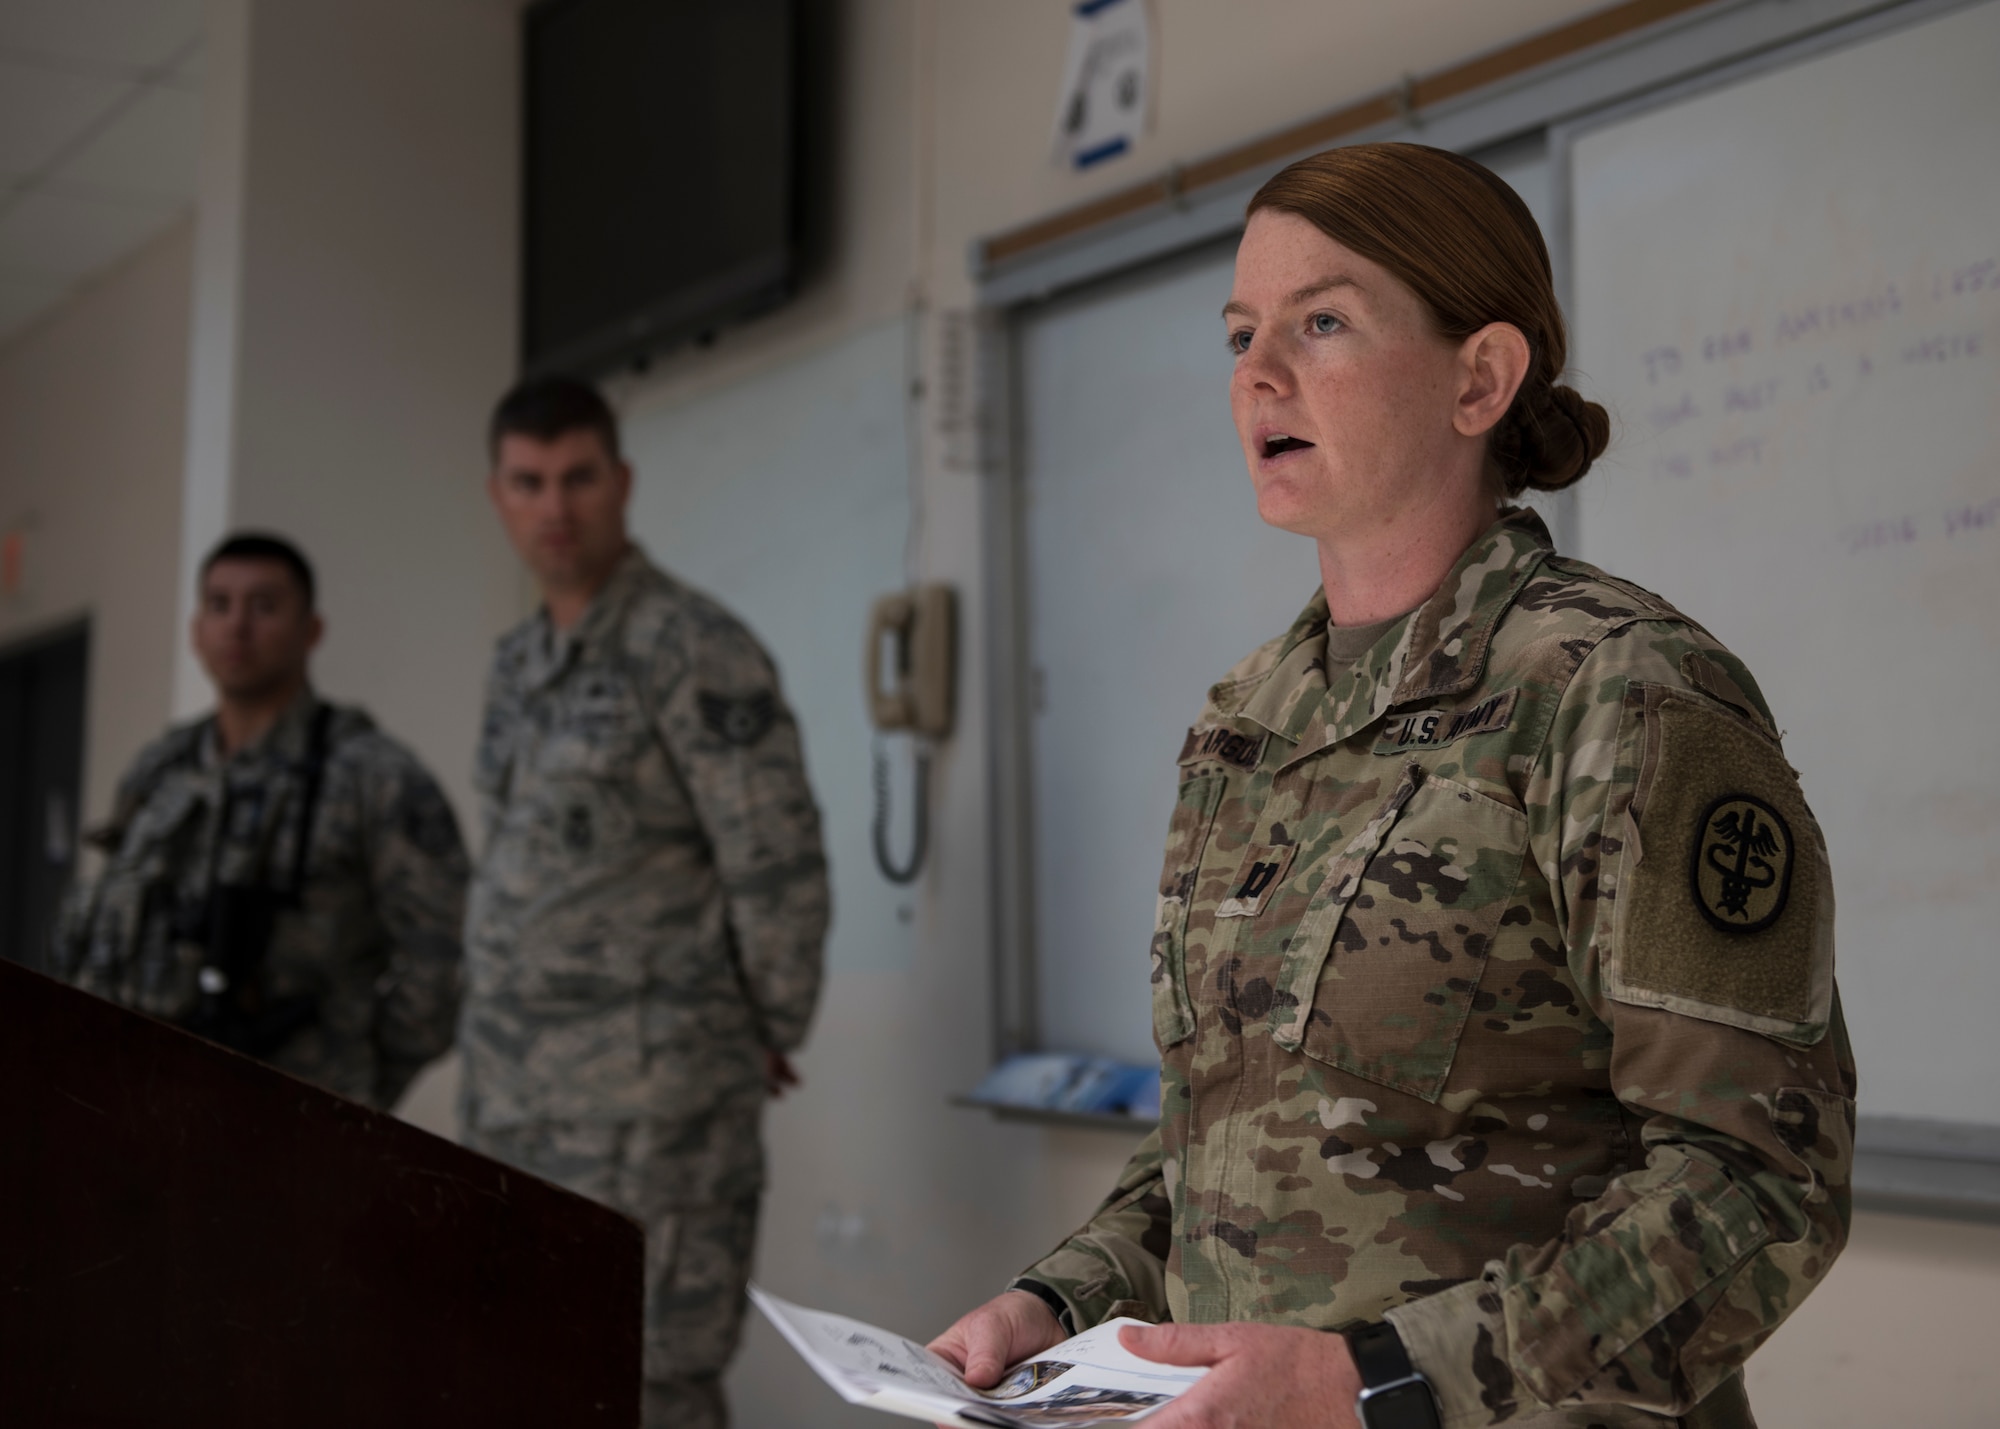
648 913
1493 981
375 938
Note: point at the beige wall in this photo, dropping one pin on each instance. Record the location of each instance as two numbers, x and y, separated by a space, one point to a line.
93 402
316 352
356 297
1225 73
1900 1334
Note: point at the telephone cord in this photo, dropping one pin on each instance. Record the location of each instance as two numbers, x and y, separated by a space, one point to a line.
920 830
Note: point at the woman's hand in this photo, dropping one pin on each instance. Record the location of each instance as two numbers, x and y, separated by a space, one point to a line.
999 1334
1271 1376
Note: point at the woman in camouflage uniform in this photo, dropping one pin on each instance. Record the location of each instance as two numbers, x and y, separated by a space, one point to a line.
1493 968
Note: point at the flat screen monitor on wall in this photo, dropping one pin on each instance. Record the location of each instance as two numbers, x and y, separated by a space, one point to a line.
660 174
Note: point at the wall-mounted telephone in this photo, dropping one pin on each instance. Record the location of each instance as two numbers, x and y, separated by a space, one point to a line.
911 660
917 628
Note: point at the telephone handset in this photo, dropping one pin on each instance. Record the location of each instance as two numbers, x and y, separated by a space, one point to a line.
917 628
920 625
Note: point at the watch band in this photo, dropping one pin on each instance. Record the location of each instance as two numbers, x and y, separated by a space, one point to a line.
1393 1394
1379 1355
1057 1305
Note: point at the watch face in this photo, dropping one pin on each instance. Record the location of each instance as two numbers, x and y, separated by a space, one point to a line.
1407 1406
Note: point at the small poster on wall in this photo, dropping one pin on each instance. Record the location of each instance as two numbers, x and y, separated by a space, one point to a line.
1104 100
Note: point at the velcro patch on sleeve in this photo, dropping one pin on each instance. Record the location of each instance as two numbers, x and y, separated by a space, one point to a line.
1725 907
1708 674
1228 745
1428 729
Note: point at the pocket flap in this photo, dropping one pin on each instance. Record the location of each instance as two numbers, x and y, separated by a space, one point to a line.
1396 975
1315 935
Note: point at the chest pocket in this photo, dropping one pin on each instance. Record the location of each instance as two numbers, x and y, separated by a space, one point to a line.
1187 834
1389 956
597 730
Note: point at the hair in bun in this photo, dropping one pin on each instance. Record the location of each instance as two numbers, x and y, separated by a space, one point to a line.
1548 438
1463 241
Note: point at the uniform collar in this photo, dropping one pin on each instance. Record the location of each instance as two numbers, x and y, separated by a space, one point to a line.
1437 649
552 650
283 743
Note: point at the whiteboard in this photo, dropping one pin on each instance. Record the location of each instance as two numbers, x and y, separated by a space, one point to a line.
1146 574
1788 292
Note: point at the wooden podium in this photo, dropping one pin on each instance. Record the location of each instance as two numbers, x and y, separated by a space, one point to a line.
190 1238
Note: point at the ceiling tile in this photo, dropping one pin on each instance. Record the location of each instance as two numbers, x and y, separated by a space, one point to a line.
42 110
152 148
62 236
118 34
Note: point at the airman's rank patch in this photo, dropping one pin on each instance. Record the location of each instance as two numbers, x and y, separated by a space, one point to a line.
1228 745
742 719
1722 895
1428 729
1741 867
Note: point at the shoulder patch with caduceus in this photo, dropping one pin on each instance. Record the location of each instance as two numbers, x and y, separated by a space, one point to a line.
1742 864
738 719
1723 898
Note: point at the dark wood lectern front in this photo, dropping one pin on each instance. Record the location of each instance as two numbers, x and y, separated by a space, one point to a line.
190 1238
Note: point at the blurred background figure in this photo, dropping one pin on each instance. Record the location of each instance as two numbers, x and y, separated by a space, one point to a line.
646 923
281 876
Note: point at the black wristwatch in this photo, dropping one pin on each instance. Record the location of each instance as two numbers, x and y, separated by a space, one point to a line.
1057 1306
1393 1395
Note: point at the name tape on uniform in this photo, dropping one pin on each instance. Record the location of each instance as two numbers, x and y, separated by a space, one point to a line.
1228 745
1428 729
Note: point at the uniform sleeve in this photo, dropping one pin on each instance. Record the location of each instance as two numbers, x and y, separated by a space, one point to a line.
1116 1263
1693 890
736 746
492 760
417 873
68 944
75 952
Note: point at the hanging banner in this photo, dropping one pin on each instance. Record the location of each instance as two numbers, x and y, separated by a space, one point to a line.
1104 99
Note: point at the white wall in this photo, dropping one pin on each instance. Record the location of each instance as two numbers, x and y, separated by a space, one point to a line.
92 413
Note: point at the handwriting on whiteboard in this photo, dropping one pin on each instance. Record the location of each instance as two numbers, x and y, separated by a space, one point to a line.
1951 523
1715 400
